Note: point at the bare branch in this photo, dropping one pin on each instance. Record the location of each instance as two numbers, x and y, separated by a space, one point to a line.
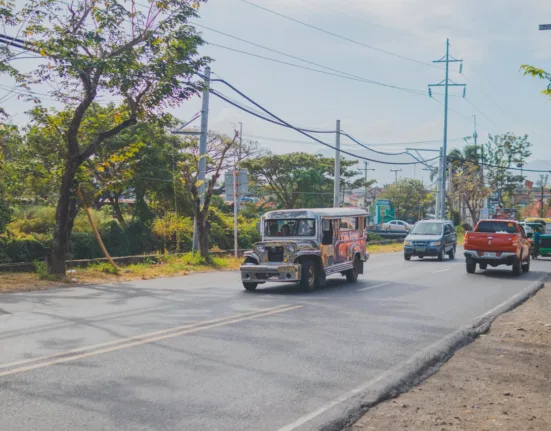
91 149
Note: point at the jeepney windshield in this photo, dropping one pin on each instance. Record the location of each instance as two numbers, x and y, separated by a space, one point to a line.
290 227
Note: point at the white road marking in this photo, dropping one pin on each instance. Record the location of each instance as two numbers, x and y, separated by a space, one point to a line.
442 270
373 287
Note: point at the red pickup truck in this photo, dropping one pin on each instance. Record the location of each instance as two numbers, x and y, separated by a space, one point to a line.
497 242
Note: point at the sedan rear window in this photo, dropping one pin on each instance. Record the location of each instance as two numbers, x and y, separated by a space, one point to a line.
496 227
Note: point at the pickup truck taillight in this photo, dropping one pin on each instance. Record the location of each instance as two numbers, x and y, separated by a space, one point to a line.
466 239
515 240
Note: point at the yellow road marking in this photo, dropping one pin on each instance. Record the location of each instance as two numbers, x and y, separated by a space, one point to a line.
136 337
144 341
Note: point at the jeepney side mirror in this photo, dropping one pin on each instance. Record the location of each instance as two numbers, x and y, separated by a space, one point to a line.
326 225
258 227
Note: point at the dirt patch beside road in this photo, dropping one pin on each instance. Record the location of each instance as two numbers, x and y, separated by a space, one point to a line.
501 381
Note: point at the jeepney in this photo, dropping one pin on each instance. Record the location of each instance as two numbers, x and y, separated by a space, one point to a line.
307 245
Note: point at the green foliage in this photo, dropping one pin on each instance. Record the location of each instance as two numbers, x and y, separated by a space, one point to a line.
409 197
536 72
41 269
298 180
105 267
500 153
22 250
5 216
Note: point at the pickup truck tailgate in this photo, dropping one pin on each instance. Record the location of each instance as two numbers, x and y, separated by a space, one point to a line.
490 242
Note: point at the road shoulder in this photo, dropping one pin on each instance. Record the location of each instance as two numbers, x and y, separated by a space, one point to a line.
502 380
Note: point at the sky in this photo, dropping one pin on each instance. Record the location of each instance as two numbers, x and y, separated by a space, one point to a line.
493 37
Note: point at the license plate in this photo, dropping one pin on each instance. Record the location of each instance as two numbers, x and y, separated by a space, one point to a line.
419 248
286 269
486 254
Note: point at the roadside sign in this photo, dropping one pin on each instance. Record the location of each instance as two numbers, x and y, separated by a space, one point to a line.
545 26
242 183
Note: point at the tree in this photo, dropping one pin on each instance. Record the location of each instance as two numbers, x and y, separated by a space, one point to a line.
468 187
147 57
218 148
536 72
408 196
502 152
299 179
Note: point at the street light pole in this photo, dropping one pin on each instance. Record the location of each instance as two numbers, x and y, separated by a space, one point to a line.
395 174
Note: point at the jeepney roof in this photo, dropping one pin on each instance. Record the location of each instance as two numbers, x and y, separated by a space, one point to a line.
315 213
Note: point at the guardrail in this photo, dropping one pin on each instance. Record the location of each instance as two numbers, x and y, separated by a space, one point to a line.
123 261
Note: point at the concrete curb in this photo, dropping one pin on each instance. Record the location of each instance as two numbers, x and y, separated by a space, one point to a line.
351 406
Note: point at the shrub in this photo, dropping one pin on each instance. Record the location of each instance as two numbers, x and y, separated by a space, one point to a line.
26 250
172 229
84 246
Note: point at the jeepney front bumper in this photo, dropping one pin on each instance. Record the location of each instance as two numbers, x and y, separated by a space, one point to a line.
270 272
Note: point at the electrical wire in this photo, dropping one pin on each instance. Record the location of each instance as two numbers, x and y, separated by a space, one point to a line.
340 36
312 137
364 80
340 72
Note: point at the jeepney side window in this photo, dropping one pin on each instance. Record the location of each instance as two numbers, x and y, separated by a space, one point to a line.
327 238
348 224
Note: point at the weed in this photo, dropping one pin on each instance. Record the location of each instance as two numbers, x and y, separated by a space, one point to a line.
41 269
105 267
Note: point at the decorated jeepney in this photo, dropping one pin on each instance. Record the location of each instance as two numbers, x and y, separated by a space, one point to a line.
307 245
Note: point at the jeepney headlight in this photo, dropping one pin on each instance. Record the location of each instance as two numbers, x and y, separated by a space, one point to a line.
260 249
408 243
291 248
435 243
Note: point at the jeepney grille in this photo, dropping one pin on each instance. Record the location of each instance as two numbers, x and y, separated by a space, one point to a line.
275 254
545 242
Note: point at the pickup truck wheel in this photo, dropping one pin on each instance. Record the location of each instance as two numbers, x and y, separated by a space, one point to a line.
451 254
309 278
407 256
483 265
471 267
441 254
526 265
517 267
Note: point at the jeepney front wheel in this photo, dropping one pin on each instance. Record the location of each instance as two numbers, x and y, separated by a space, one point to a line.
310 278
248 285
352 274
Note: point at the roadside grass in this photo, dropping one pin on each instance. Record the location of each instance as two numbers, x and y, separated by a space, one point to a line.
385 248
161 266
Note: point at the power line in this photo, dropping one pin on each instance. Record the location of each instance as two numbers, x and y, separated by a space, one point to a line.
352 78
340 72
438 141
312 137
340 36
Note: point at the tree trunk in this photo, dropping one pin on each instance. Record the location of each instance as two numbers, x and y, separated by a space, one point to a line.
203 231
117 210
64 218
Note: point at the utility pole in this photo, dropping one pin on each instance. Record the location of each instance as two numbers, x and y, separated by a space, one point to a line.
446 83
202 151
236 199
365 169
395 174
543 183
336 191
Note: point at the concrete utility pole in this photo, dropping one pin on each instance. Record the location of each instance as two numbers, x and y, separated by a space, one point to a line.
395 174
365 169
236 199
446 83
202 150
336 190
543 183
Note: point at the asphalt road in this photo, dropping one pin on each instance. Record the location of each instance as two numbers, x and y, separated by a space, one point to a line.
200 353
